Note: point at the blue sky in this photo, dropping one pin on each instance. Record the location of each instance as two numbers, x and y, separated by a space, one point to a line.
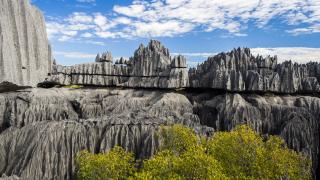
79 29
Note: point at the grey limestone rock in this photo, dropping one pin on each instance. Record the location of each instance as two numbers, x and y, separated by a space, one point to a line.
25 53
179 62
236 71
51 125
239 70
150 67
106 57
46 128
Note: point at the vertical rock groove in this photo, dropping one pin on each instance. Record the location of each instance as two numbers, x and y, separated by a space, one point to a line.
1 55
16 40
26 40
26 51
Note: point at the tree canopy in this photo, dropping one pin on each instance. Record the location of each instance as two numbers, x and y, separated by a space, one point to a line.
239 154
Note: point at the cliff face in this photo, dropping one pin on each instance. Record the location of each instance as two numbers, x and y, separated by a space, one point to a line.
240 71
150 67
41 130
25 54
235 71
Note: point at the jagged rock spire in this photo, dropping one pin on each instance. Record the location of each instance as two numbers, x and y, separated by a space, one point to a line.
150 60
105 57
179 62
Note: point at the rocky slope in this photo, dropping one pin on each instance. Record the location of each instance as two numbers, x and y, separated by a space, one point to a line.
43 129
25 54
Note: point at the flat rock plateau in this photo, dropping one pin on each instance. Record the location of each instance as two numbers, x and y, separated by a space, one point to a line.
125 102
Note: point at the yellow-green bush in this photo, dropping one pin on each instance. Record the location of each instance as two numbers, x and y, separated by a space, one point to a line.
74 86
116 164
239 154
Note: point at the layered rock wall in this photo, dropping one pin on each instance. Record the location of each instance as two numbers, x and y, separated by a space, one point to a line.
240 71
41 130
25 53
150 67
235 71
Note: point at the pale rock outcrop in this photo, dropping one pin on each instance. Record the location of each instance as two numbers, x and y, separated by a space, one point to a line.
179 62
239 70
235 71
25 53
105 57
150 67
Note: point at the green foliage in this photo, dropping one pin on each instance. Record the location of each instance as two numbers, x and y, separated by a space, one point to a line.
74 86
178 139
116 164
244 155
239 154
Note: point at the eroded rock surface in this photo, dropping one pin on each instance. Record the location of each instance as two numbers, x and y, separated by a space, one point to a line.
235 71
150 67
240 71
43 129
25 53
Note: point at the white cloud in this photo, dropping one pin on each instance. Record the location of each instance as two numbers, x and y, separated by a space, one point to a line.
166 18
79 17
296 54
86 35
75 55
306 30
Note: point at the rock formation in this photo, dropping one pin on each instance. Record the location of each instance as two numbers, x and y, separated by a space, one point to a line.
239 71
25 54
46 128
105 57
41 130
51 125
235 71
150 67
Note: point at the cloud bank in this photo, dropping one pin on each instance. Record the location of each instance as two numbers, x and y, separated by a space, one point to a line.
168 18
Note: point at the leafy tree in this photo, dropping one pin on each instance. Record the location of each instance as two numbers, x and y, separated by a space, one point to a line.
116 164
181 156
244 155
239 154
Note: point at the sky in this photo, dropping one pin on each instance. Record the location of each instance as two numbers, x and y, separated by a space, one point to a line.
79 29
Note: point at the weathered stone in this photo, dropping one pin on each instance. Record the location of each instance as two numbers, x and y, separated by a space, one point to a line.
25 53
239 70
51 125
105 57
151 67
179 62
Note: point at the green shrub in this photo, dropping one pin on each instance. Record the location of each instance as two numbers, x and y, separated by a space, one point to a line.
239 154
74 86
